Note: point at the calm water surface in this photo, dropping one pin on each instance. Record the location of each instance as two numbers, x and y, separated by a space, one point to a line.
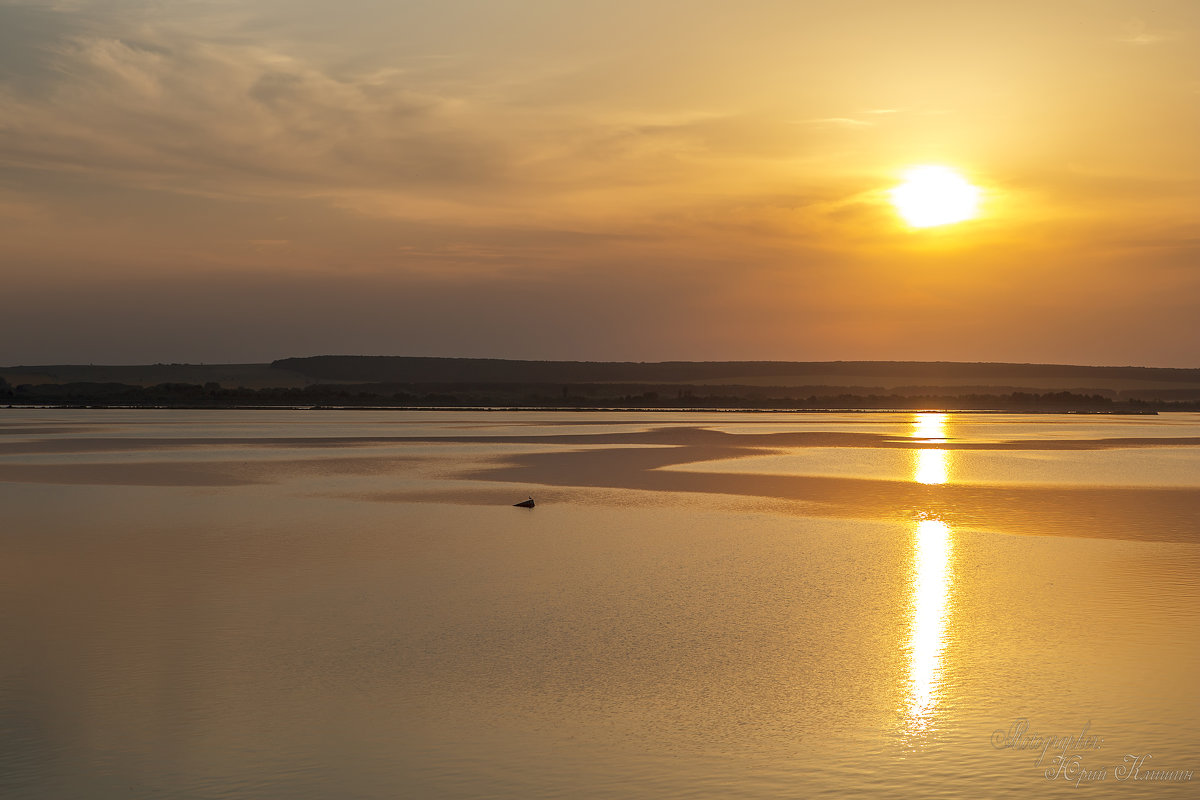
314 604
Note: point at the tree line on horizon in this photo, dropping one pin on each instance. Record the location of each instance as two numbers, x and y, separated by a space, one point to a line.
213 395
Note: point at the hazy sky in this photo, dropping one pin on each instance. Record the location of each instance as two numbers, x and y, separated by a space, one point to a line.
242 180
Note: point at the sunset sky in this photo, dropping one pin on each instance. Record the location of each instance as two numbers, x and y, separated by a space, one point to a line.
244 180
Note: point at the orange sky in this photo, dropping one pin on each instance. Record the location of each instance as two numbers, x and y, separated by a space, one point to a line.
663 179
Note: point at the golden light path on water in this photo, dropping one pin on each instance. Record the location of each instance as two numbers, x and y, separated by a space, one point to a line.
932 466
929 426
932 582
930 596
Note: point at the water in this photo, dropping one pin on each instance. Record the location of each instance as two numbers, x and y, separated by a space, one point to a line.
311 604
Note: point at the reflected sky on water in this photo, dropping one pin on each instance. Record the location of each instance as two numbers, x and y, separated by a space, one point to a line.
257 605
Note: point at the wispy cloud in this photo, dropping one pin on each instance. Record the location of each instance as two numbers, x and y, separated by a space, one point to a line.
865 119
847 122
1142 39
16 208
161 109
235 118
1137 34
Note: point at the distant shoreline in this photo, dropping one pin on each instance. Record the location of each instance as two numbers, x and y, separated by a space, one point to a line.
454 383
605 409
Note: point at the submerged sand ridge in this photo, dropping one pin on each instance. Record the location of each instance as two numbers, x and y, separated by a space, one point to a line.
1120 512
1169 514
692 459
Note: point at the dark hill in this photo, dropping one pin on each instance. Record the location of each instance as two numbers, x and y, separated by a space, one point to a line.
414 370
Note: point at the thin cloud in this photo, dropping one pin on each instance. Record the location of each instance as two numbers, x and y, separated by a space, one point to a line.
849 122
1142 39
1137 35
163 108
13 207
159 109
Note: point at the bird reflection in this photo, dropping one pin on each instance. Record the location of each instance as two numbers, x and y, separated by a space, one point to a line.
932 581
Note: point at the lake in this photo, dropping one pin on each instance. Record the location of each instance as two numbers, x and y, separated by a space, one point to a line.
345 603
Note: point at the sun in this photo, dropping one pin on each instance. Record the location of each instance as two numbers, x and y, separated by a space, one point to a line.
933 195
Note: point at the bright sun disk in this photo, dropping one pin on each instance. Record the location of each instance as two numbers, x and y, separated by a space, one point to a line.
934 195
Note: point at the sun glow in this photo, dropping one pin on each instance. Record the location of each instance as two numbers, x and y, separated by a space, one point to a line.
933 195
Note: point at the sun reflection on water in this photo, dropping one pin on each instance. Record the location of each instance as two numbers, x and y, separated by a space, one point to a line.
932 581
932 467
930 426
930 597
